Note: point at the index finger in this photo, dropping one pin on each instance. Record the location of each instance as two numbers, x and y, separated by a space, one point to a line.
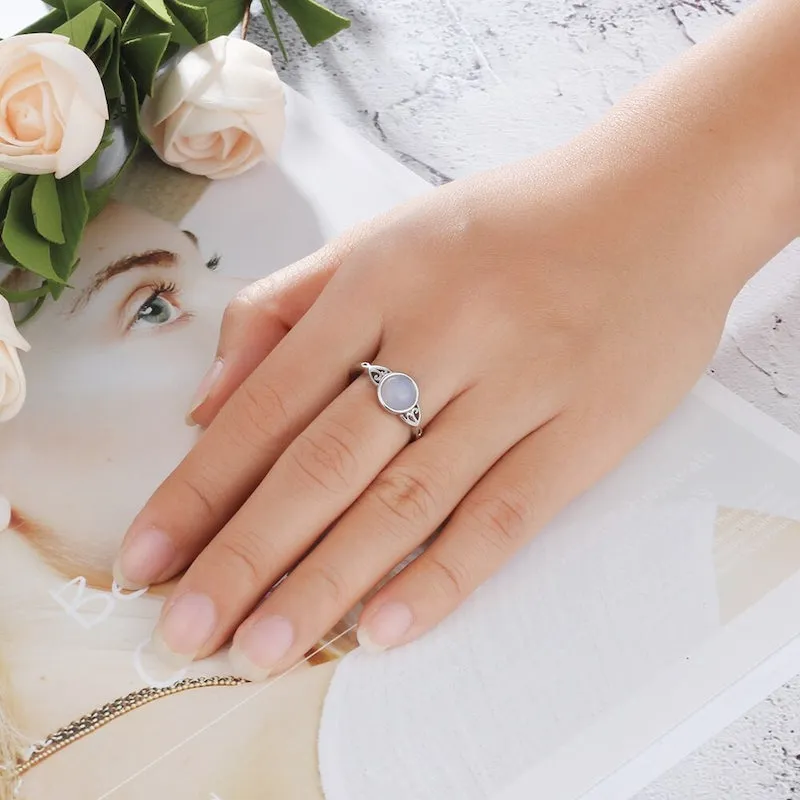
259 317
304 373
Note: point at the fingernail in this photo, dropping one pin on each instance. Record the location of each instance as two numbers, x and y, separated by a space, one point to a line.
143 559
204 389
260 646
386 629
188 625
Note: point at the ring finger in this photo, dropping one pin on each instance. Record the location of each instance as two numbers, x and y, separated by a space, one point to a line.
411 497
311 484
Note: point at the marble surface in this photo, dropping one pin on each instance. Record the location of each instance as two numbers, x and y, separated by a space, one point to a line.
449 88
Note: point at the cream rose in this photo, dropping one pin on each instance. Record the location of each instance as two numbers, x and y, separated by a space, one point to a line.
53 106
12 378
219 111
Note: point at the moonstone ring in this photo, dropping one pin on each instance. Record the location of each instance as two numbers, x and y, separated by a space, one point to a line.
398 394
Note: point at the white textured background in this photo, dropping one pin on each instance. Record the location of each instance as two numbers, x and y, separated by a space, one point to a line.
451 87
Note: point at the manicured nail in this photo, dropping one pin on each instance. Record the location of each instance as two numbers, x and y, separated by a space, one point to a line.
259 647
143 559
386 628
204 389
188 625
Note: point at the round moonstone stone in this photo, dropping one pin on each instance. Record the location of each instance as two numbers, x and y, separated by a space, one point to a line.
398 392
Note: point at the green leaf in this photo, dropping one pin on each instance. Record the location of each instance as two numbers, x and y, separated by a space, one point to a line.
6 177
89 166
8 181
102 50
24 243
102 40
111 79
192 17
139 23
34 311
223 15
80 28
71 8
46 210
156 7
131 100
181 36
269 13
25 296
143 57
98 198
96 31
75 215
56 290
316 22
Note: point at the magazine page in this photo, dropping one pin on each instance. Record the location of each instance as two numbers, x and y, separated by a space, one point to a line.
659 589
743 595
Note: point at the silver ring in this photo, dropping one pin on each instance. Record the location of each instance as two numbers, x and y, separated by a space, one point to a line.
398 393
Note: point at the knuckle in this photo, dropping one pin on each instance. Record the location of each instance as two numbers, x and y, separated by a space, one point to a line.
261 409
241 309
327 581
201 495
326 458
450 580
247 555
253 311
502 520
408 496
248 301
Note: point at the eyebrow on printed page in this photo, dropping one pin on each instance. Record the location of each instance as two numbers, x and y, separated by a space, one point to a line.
150 258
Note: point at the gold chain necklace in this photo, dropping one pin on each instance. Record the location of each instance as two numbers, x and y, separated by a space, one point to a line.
100 717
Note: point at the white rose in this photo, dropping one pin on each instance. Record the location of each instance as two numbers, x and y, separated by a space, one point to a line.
219 111
53 106
12 378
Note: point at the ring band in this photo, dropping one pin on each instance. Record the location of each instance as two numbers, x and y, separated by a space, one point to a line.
398 393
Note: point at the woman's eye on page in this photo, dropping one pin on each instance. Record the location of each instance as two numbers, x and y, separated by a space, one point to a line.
158 309
156 312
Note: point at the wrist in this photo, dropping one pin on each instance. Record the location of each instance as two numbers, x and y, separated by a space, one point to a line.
711 147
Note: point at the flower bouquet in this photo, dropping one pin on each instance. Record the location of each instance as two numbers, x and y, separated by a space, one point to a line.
89 85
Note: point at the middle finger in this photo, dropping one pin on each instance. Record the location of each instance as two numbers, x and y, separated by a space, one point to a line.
320 474
402 507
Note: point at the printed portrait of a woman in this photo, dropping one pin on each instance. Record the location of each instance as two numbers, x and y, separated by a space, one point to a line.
110 377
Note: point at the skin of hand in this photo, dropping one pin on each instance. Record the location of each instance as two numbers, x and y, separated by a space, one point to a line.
552 312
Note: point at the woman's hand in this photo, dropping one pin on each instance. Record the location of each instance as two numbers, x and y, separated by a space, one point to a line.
552 313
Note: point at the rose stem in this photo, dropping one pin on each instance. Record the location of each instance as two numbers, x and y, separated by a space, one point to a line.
246 19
